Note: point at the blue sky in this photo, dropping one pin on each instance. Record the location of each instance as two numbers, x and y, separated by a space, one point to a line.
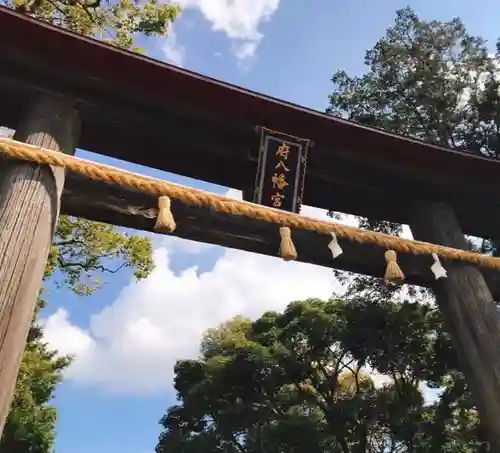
127 337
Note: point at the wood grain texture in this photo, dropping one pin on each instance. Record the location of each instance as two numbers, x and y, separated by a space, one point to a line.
470 314
29 205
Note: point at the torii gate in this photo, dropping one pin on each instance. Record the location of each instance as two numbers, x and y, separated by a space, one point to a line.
188 124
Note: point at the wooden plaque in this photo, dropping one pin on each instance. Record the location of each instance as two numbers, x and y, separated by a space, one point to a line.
281 171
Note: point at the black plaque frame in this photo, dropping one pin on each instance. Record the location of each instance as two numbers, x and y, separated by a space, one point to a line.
281 170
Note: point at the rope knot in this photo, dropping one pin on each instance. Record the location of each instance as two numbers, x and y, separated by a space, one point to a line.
287 248
393 272
165 222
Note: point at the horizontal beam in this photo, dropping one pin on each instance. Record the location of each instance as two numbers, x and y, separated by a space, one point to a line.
117 128
114 204
147 135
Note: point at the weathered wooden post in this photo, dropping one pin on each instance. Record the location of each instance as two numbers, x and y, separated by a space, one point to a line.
29 207
472 319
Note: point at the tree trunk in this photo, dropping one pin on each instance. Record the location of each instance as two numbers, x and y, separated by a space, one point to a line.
470 314
29 207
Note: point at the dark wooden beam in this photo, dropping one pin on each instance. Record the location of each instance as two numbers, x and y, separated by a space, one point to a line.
47 58
336 180
29 208
130 208
197 147
117 128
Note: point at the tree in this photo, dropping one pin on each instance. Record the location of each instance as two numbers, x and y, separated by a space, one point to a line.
82 249
298 382
428 80
119 22
31 421
225 337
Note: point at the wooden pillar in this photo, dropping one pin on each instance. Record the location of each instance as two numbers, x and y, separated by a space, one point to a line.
29 207
471 317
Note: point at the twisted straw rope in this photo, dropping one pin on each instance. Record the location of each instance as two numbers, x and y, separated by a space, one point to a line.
196 197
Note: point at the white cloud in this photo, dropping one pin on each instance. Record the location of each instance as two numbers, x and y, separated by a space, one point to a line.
69 338
245 51
132 344
173 51
238 19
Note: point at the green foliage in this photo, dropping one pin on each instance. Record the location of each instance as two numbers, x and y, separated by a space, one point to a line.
225 337
116 22
435 82
30 425
83 248
298 382
428 80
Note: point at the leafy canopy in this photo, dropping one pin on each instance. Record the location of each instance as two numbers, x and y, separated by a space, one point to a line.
117 22
429 80
299 382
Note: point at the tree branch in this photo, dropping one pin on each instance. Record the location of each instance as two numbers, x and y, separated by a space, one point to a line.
69 242
86 266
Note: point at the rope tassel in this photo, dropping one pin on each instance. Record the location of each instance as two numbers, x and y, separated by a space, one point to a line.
393 272
165 222
287 248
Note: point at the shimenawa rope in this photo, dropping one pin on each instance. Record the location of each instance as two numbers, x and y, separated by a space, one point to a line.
165 222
